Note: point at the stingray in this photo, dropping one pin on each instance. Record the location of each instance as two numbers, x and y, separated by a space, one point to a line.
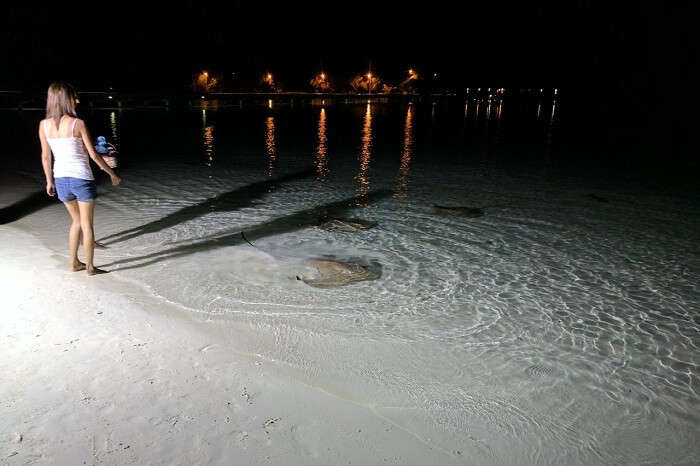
330 273
458 211
346 225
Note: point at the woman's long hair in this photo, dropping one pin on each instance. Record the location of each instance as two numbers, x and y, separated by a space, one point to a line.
60 100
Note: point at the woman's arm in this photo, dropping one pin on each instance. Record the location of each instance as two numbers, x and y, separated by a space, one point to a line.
85 135
46 161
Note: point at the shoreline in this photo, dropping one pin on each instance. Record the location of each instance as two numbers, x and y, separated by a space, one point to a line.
100 372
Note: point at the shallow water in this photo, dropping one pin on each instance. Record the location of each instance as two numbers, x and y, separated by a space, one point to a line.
560 326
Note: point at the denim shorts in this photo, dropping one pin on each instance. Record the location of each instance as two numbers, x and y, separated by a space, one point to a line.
70 189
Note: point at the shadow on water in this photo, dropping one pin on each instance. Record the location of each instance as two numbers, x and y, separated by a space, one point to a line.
30 204
296 221
228 201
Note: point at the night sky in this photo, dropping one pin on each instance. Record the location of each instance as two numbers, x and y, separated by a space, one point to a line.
571 45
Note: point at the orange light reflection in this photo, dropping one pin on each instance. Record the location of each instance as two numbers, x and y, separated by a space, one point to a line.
322 148
270 144
402 182
208 141
365 157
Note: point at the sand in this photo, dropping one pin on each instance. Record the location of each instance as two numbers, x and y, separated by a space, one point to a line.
95 371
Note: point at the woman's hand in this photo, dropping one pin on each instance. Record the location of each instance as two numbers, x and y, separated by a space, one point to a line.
50 188
115 180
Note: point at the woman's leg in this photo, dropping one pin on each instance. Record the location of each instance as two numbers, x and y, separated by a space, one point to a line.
97 245
87 210
74 235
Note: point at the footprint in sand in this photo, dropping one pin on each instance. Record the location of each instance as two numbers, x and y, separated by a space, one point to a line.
269 423
248 397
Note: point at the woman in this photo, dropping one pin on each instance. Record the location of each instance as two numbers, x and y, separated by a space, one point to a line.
64 134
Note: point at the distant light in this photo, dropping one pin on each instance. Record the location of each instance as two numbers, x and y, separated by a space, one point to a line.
202 97
269 103
269 76
434 75
541 90
110 97
205 73
410 71
323 102
467 90
369 75
323 75
555 91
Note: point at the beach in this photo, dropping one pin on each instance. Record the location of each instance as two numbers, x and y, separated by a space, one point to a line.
97 372
547 315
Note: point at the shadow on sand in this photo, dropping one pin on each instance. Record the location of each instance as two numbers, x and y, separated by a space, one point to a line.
30 204
296 221
228 201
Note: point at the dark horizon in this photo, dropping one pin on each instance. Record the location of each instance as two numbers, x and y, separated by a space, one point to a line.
583 48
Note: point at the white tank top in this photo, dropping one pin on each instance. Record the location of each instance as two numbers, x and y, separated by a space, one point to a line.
70 155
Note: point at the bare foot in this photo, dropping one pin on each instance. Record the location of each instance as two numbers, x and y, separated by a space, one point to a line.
77 266
100 245
96 271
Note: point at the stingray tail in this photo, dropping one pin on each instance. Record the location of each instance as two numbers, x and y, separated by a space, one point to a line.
246 239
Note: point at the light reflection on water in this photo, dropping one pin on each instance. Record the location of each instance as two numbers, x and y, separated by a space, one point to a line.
322 148
402 183
365 157
209 144
207 140
493 111
113 127
270 144
475 109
